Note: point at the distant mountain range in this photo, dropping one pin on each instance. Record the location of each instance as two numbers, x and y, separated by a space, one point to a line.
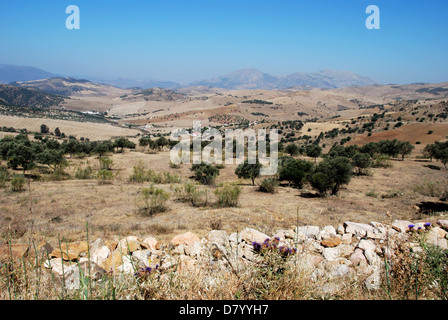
9 73
255 79
240 79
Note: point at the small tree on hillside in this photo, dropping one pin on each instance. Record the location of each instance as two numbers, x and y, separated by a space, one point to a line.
405 148
362 161
44 129
249 171
331 174
313 151
52 158
295 171
292 149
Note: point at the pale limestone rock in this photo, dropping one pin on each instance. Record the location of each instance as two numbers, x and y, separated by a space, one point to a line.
340 230
128 266
99 255
345 250
346 238
179 250
219 237
308 231
358 257
308 262
358 229
436 240
443 224
143 256
185 264
401 225
188 238
373 282
151 243
235 237
331 253
195 250
251 235
438 231
129 245
60 266
366 245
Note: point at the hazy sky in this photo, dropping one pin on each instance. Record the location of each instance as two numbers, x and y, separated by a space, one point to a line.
193 40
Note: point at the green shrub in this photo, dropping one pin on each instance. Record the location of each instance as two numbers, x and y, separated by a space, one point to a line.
174 166
430 189
382 162
84 173
152 200
139 175
228 195
162 177
269 185
58 175
17 183
191 192
106 163
105 176
435 266
372 194
205 173
391 194
4 176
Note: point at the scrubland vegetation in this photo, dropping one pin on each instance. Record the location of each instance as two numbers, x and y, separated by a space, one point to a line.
153 191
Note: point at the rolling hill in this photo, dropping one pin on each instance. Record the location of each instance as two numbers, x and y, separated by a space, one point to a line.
17 96
67 86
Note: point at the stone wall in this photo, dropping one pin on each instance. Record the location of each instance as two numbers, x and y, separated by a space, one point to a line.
353 250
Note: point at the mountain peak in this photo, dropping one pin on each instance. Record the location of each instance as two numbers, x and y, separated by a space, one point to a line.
251 78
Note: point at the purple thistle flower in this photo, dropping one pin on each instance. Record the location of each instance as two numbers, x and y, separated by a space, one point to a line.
411 226
256 245
427 224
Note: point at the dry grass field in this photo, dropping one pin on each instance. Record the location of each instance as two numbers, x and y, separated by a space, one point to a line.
90 130
62 208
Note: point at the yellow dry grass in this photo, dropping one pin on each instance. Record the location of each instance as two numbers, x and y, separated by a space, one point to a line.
64 207
93 131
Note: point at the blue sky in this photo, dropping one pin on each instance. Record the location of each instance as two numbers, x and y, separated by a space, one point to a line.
184 41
